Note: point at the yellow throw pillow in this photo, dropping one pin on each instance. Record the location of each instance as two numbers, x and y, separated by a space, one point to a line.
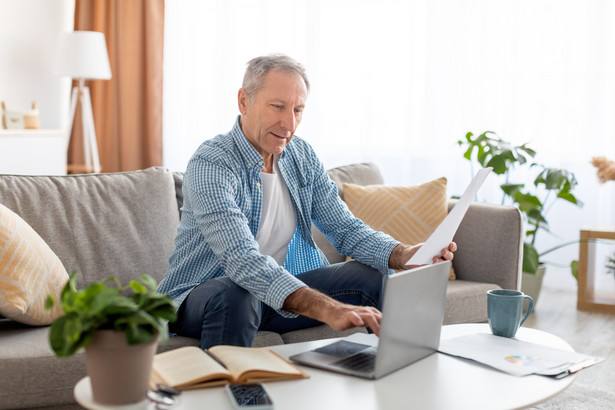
29 271
408 213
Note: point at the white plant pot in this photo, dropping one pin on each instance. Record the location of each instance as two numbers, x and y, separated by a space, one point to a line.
531 284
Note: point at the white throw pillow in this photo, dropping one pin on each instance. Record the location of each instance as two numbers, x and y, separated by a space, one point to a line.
29 271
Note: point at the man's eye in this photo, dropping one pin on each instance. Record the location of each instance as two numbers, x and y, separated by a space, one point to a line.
277 106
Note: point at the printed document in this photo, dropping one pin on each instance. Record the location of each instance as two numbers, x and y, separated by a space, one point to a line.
443 235
516 357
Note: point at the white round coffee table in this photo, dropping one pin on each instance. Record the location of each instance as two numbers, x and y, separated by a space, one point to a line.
438 382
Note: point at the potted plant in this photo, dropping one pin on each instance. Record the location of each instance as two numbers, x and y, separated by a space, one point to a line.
533 200
119 327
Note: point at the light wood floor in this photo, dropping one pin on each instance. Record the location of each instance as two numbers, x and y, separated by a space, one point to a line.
587 332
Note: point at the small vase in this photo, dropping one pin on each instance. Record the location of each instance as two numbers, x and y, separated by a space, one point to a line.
119 372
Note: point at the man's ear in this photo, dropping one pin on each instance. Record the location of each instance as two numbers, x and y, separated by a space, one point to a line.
242 101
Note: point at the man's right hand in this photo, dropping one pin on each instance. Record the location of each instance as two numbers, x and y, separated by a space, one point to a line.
339 316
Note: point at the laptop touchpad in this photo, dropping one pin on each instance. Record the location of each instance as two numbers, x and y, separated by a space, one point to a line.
342 348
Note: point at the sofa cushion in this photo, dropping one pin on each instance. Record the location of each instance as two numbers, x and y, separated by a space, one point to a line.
30 373
361 174
121 224
408 213
29 271
178 179
466 301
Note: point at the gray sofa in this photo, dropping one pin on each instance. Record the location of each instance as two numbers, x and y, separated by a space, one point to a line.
124 224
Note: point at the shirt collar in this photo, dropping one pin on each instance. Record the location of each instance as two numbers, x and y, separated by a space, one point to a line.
248 152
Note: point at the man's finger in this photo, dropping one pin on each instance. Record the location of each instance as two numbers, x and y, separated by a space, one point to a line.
356 319
373 324
447 255
372 320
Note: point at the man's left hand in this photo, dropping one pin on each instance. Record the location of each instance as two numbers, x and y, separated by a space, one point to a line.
402 254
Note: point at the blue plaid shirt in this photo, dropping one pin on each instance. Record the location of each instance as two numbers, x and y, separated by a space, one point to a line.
221 213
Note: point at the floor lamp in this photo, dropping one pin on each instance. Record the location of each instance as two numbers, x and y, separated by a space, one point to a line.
83 56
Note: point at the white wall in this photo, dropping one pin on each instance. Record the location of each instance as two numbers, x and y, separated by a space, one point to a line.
397 83
29 32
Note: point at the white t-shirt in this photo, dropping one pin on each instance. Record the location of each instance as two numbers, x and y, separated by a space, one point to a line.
278 218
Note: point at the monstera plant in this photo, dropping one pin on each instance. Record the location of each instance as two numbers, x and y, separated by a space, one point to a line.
534 198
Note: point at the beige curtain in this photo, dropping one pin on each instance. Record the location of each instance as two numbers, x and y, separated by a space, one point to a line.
128 108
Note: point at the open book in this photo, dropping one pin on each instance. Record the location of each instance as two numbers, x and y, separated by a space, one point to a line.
192 368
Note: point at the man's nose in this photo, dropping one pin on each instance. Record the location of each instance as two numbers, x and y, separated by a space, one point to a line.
289 121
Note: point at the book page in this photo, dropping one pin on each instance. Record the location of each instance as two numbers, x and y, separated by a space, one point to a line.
188 365
248 364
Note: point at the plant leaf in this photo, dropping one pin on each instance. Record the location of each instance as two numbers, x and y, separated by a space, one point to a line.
530 258
137 287
510 189
574 268
149 282
50 301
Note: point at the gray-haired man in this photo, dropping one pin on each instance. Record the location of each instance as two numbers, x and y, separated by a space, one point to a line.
245 259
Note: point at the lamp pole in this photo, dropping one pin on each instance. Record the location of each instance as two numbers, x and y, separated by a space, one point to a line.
81 93
83 56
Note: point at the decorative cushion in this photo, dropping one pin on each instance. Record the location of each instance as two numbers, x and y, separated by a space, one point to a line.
114 224
29 271
408 213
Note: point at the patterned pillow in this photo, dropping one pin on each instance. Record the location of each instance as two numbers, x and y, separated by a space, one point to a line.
408 213
29 271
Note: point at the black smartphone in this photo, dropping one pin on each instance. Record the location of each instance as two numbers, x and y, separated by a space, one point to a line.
249 396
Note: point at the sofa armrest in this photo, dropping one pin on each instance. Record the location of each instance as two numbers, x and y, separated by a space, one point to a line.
490 245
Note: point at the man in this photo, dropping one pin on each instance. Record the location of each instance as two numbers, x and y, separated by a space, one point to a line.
245 259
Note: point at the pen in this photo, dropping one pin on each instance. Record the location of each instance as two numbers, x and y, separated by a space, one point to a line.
575 368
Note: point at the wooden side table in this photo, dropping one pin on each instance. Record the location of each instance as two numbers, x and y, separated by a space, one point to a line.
587 297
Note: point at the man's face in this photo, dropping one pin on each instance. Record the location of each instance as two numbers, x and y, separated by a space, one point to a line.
270 121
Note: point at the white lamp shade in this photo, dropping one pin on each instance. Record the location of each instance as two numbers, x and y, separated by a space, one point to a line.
83 55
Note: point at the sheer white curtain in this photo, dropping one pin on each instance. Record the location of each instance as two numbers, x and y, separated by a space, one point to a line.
398 82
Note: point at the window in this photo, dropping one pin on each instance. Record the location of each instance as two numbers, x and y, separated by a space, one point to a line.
398 82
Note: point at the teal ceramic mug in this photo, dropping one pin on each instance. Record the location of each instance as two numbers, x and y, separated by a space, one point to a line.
505 311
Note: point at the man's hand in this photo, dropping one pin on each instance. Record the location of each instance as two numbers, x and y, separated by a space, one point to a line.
339 316
402 253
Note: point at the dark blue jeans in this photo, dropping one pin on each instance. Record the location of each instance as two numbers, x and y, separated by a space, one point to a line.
220 312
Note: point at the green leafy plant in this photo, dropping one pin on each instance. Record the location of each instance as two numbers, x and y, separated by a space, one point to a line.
136 309
533 200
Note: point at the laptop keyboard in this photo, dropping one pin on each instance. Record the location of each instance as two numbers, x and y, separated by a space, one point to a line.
363 362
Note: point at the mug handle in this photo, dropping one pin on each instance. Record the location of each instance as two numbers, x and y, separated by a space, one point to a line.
529 308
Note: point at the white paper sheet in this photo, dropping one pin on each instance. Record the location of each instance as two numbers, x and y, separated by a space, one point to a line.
514 356
443 235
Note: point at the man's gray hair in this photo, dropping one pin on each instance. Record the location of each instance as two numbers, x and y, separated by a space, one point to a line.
258 67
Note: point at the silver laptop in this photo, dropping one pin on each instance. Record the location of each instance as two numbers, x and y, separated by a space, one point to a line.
412 314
